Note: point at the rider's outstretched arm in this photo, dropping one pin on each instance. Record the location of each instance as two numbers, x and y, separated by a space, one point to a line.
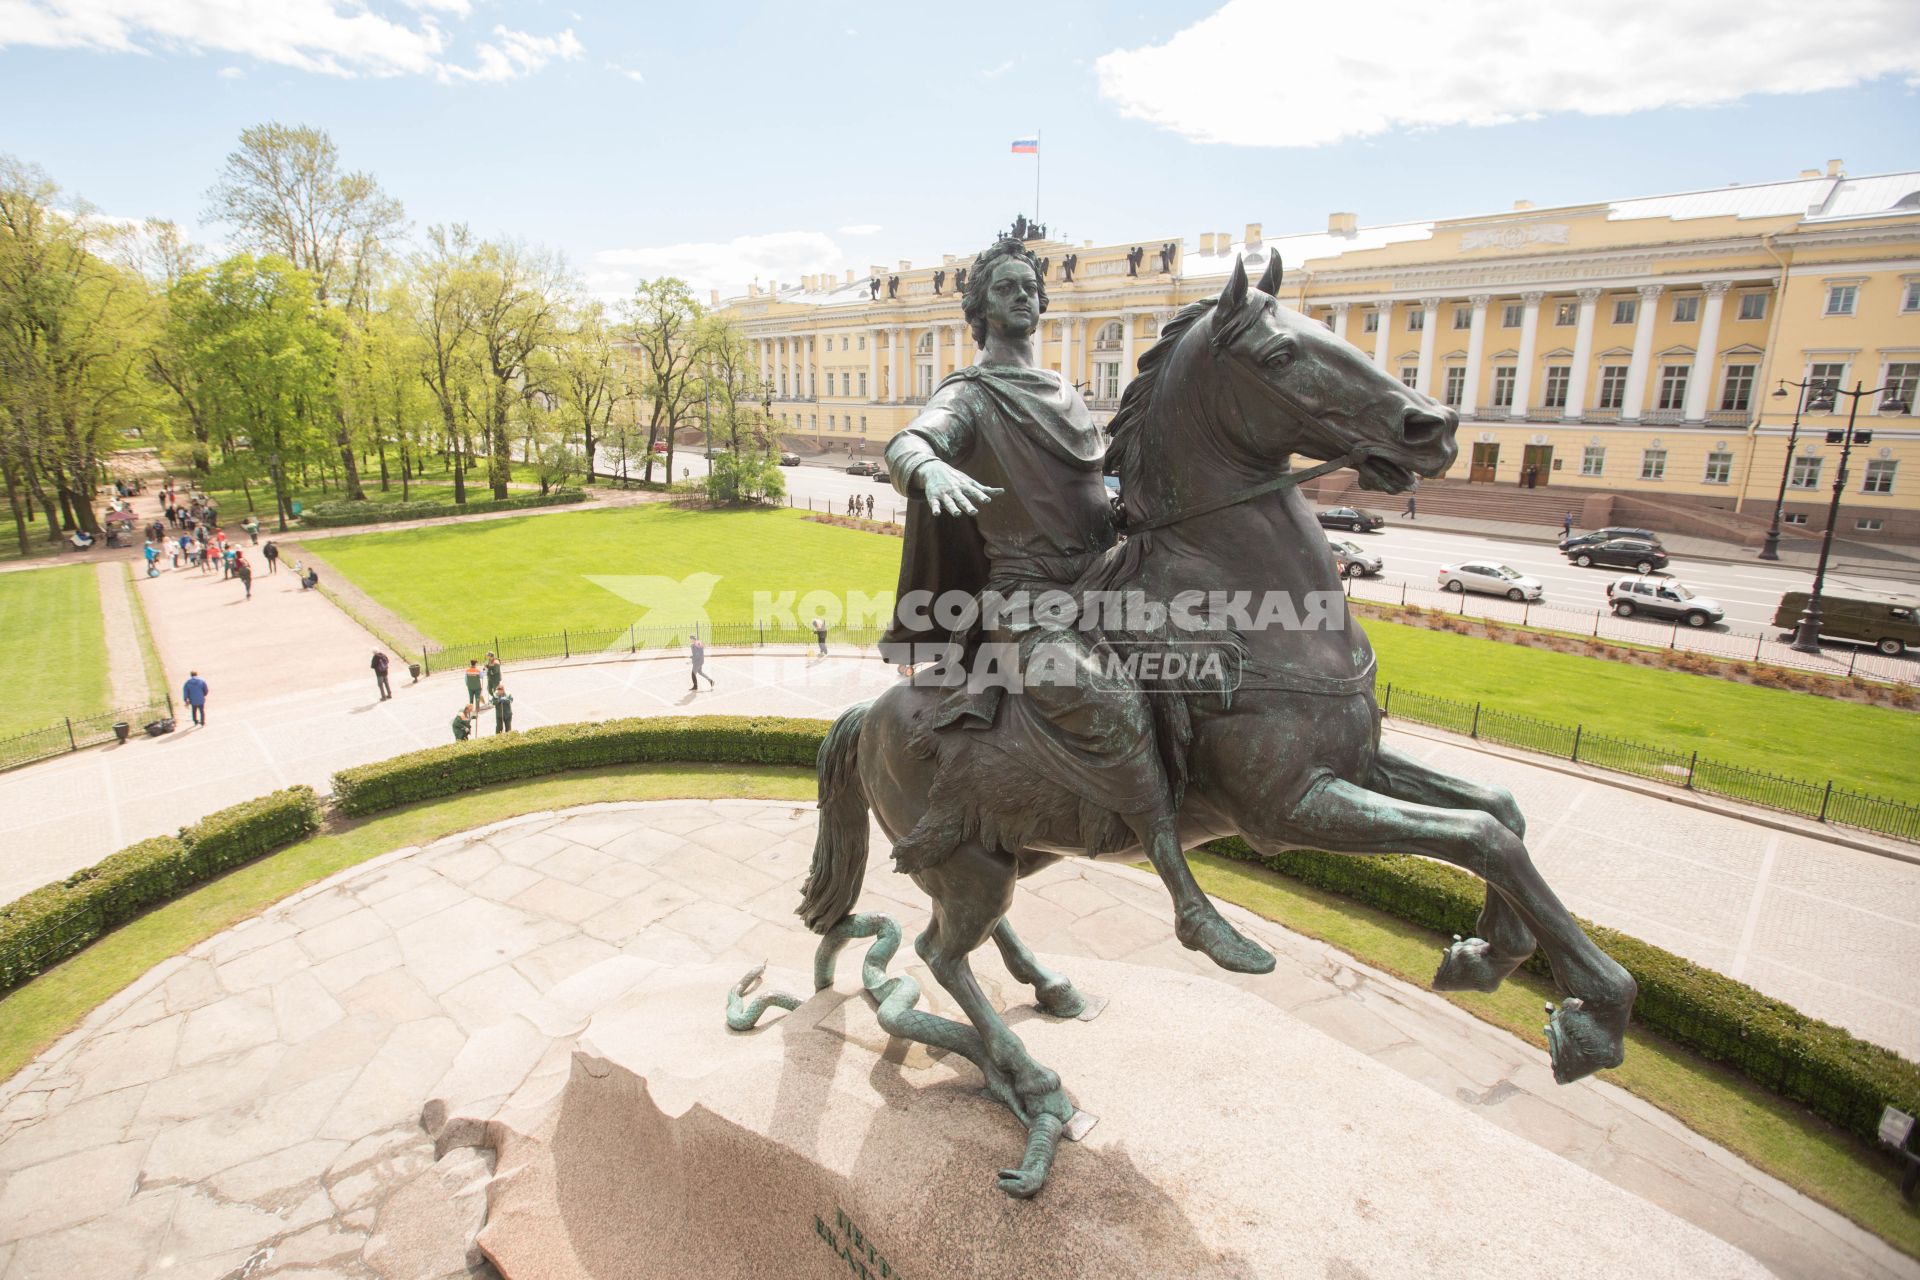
924 459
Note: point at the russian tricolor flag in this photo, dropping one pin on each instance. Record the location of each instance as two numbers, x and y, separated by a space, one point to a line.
1026 146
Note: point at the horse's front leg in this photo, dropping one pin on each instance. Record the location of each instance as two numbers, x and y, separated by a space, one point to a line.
1502 941
1197 923
1587 1032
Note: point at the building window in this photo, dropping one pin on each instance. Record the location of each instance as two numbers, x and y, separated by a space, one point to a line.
1106 380
860 343
1868 524
1463 317
1753 306
1456 388
1673 385
1510 315
1794 517
1805 473
1558 375
1333 319
1910 296
1841 299
1593 460
813 422
831 423
863 423
1902 381
1737 391
1503 379
1409 374
1626 310
843 342
863 386
1832 372
1370 323
1719 468
1613 386
1686 308
1879 477
1653 464
846 384
1566 313
1416 319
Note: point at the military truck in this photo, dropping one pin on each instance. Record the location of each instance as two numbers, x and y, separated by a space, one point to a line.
1890 623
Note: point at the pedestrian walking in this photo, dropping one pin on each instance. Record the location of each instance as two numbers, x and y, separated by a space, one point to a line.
473 682
819 625
502 710
272 553
195 693
153 554
869 506
493 674
463 724
1408 513
1566 525
252 525
243 571
697 650
380 675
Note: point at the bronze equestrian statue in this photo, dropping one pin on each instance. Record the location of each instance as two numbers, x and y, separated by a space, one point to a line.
1060 752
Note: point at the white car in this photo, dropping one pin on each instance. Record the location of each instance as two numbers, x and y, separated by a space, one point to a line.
1491 579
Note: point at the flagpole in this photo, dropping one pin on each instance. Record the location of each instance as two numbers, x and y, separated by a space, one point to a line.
1036 175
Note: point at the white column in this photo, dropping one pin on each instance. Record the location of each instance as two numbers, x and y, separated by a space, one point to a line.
1476 349
960 350
1636 396
933 333
873 364
1700 381
1382 333
1126 351
1339 328
1529 336
806 366
1429 321
1066 351
792 353
895 339
1582 354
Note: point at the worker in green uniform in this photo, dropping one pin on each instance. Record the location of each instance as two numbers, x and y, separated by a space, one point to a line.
493 675
473 682
463 724
502 709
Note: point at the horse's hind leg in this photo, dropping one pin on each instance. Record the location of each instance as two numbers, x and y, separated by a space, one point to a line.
1055 994
1502 941
1587 1032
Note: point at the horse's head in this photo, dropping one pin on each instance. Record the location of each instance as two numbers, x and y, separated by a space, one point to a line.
1292 386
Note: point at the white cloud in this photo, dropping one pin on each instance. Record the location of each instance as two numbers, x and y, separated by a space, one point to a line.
628 72
1359 71
231 73
726 265
860 229
994 73
326 37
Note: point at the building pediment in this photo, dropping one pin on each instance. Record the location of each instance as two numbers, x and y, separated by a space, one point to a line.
1558 353
1617 351
1508 354
1744 349
1676 351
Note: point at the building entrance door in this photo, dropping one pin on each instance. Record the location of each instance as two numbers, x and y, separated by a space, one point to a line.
1486 460
1537 460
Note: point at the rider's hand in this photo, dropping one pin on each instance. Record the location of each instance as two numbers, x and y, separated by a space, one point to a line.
952 492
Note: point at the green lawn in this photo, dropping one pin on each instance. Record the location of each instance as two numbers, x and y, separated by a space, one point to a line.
533 576
55 647
1800 735
435 486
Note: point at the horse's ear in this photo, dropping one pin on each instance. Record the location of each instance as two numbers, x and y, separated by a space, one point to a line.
1270 279
1236 291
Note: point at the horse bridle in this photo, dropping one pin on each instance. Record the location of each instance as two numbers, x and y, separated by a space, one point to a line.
1285 480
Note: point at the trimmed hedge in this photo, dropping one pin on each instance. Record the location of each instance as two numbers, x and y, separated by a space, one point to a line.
56 920
1837 1075
482 762
333 515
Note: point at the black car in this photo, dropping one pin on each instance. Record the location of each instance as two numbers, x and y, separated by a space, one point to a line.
1636 554
1348 518
1597 536
863 468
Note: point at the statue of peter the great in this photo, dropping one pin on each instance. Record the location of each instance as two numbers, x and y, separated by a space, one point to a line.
1005 467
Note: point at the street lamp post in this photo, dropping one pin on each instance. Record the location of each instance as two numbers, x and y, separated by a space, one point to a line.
1771 551
1807 635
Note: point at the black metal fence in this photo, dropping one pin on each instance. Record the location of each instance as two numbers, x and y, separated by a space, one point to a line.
588 642
71 733
1689 771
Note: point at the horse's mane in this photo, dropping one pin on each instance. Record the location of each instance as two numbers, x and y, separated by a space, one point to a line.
1123 453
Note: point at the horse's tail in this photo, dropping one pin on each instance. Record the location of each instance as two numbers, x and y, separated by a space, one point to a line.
840 848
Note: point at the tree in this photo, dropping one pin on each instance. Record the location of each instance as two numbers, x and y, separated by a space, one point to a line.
439 316
591 377
662 322
732 392
284 193
513 295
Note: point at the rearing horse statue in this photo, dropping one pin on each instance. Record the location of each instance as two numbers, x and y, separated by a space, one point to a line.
1232 391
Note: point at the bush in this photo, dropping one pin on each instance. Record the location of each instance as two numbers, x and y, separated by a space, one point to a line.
332 515
483 762
1840 1077
56 920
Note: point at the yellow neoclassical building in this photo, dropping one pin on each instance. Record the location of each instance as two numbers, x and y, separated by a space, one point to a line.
1629 347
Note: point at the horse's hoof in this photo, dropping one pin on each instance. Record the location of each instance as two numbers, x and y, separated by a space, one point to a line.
1022 1184
1583 1038
1471 964
1226 946
1062 1000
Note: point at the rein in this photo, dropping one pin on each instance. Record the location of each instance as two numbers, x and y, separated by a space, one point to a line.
1286 480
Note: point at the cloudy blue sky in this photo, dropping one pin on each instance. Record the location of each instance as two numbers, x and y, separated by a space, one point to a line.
728 141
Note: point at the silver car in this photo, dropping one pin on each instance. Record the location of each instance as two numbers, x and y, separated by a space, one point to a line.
1660 596
1352 561
1491 579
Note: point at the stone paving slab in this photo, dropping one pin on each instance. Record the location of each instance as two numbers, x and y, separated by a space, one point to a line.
255 1107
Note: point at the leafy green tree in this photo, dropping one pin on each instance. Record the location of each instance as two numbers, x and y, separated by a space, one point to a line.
513 297
592 376
663 326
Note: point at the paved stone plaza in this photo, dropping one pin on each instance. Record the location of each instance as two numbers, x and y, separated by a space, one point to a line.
254 1107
